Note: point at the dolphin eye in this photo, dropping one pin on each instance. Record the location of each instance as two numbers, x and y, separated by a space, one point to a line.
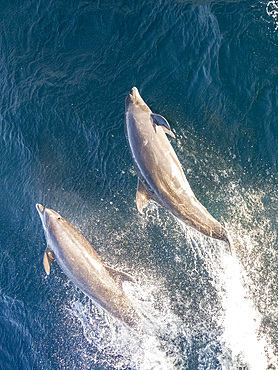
58 218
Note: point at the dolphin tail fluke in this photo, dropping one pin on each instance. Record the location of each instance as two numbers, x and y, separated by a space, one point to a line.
230 246
48 258
227 239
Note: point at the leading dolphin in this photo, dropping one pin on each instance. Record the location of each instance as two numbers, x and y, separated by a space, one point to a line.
83 266
161 177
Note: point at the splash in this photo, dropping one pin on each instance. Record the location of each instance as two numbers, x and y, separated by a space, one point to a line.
245 280
272 11
119 347
241 336
243 343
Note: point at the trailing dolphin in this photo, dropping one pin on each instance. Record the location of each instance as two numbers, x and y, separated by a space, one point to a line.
161 177
83 266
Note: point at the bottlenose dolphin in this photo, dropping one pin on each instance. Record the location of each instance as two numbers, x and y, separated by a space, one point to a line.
161 177
83 266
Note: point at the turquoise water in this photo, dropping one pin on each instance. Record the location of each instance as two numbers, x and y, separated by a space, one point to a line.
209 67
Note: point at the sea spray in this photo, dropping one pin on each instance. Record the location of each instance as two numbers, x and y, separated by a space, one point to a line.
119 347
241 320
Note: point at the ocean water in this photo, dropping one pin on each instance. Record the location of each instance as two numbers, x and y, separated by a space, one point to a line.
209 67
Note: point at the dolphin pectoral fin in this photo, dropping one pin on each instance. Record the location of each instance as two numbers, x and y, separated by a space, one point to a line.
48 257
142 196
119 276
161 121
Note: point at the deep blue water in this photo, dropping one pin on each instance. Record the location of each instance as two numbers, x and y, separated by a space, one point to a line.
209 67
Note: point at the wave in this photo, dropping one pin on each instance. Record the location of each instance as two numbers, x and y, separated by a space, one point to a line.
18 345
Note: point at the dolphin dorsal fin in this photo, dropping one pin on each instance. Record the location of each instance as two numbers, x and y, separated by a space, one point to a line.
161 121
48 258
119 276
142 196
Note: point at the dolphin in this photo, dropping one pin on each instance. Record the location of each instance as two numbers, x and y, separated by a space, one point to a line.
83 266
160 174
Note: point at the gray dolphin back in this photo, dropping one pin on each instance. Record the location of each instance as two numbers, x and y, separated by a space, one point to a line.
161 177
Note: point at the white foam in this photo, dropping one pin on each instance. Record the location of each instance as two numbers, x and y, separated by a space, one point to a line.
120 347
241 320
272 11
241 278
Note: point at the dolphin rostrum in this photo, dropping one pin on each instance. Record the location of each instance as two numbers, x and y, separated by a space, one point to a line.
83 266
161 177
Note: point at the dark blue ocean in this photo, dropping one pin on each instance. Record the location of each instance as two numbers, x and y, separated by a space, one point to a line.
211 69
